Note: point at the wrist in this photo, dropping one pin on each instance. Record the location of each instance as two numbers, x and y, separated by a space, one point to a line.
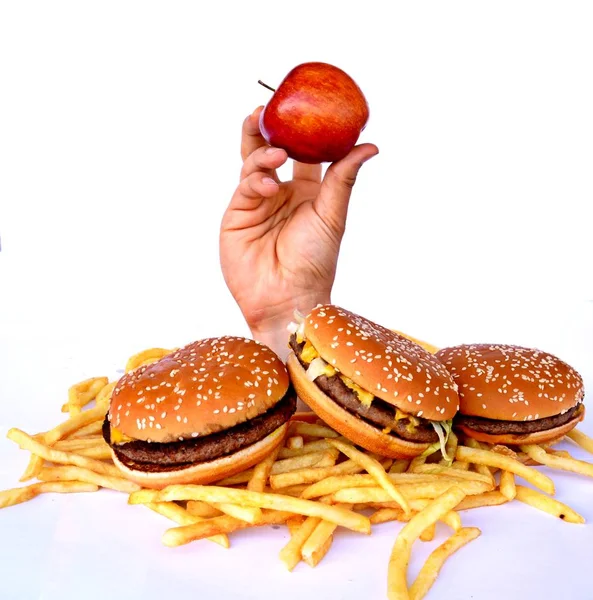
271 329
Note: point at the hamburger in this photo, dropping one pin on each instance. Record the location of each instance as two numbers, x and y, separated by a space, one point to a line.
204 412
379 389
513 395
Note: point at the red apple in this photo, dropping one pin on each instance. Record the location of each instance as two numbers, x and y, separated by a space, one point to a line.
316 114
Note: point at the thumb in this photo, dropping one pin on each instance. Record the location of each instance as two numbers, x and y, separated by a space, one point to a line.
332 201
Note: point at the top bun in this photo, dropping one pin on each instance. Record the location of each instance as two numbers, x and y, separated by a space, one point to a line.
204 387
392 367
511 383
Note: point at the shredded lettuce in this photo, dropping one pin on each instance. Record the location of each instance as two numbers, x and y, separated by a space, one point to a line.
443 430
431 450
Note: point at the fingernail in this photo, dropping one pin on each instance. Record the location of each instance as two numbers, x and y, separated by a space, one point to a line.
272 150
269 181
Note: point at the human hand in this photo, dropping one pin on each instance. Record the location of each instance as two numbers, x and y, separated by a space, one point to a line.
279 241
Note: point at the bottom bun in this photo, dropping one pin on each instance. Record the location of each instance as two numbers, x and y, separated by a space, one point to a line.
207 472
516 439
350 426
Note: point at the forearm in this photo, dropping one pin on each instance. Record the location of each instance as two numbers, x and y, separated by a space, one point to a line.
272 330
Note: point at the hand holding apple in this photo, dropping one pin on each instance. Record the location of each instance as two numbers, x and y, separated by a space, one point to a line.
316 114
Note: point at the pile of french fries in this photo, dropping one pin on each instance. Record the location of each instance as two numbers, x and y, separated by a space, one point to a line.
315 483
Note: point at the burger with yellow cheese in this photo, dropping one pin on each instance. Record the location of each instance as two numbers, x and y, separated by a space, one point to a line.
377 388
204 412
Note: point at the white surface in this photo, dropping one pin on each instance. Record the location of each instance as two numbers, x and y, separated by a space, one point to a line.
95 546
119 131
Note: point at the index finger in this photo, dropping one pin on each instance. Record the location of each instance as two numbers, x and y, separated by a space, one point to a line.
251 137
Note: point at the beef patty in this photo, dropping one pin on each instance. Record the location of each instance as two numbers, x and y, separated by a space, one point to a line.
494 427
170 456
379 413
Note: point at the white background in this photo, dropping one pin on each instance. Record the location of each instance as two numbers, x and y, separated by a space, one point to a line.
119 134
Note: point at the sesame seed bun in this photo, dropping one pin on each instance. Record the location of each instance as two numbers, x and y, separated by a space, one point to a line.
379 360
206 411
207 472
350 426
513 384
204 387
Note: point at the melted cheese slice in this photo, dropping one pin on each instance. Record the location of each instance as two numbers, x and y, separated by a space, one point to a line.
366 398
309 353
117 437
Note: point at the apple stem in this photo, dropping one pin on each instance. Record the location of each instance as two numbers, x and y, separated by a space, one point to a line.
265 85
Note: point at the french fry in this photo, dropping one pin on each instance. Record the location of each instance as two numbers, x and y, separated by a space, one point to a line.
80 394
397 588
319 537
295 442
325 458
460 465
59 432
75 424
494 498
212 494
178 536
493 459
294 522
373 468
290 555
238 479
104 396
507 485
409 491
90 429
314 559
98 452
399 466
196 508
434 563
145 357
329 485
504 450
291 490
311 475
24 494
312 430
557 462
547 504
70 473
415 463
33 468
581 439
437 469
183 517
384 515
314 446
428 534
73 445
261 472
451 519
26 442
561 453
486 470
386 463
249 514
